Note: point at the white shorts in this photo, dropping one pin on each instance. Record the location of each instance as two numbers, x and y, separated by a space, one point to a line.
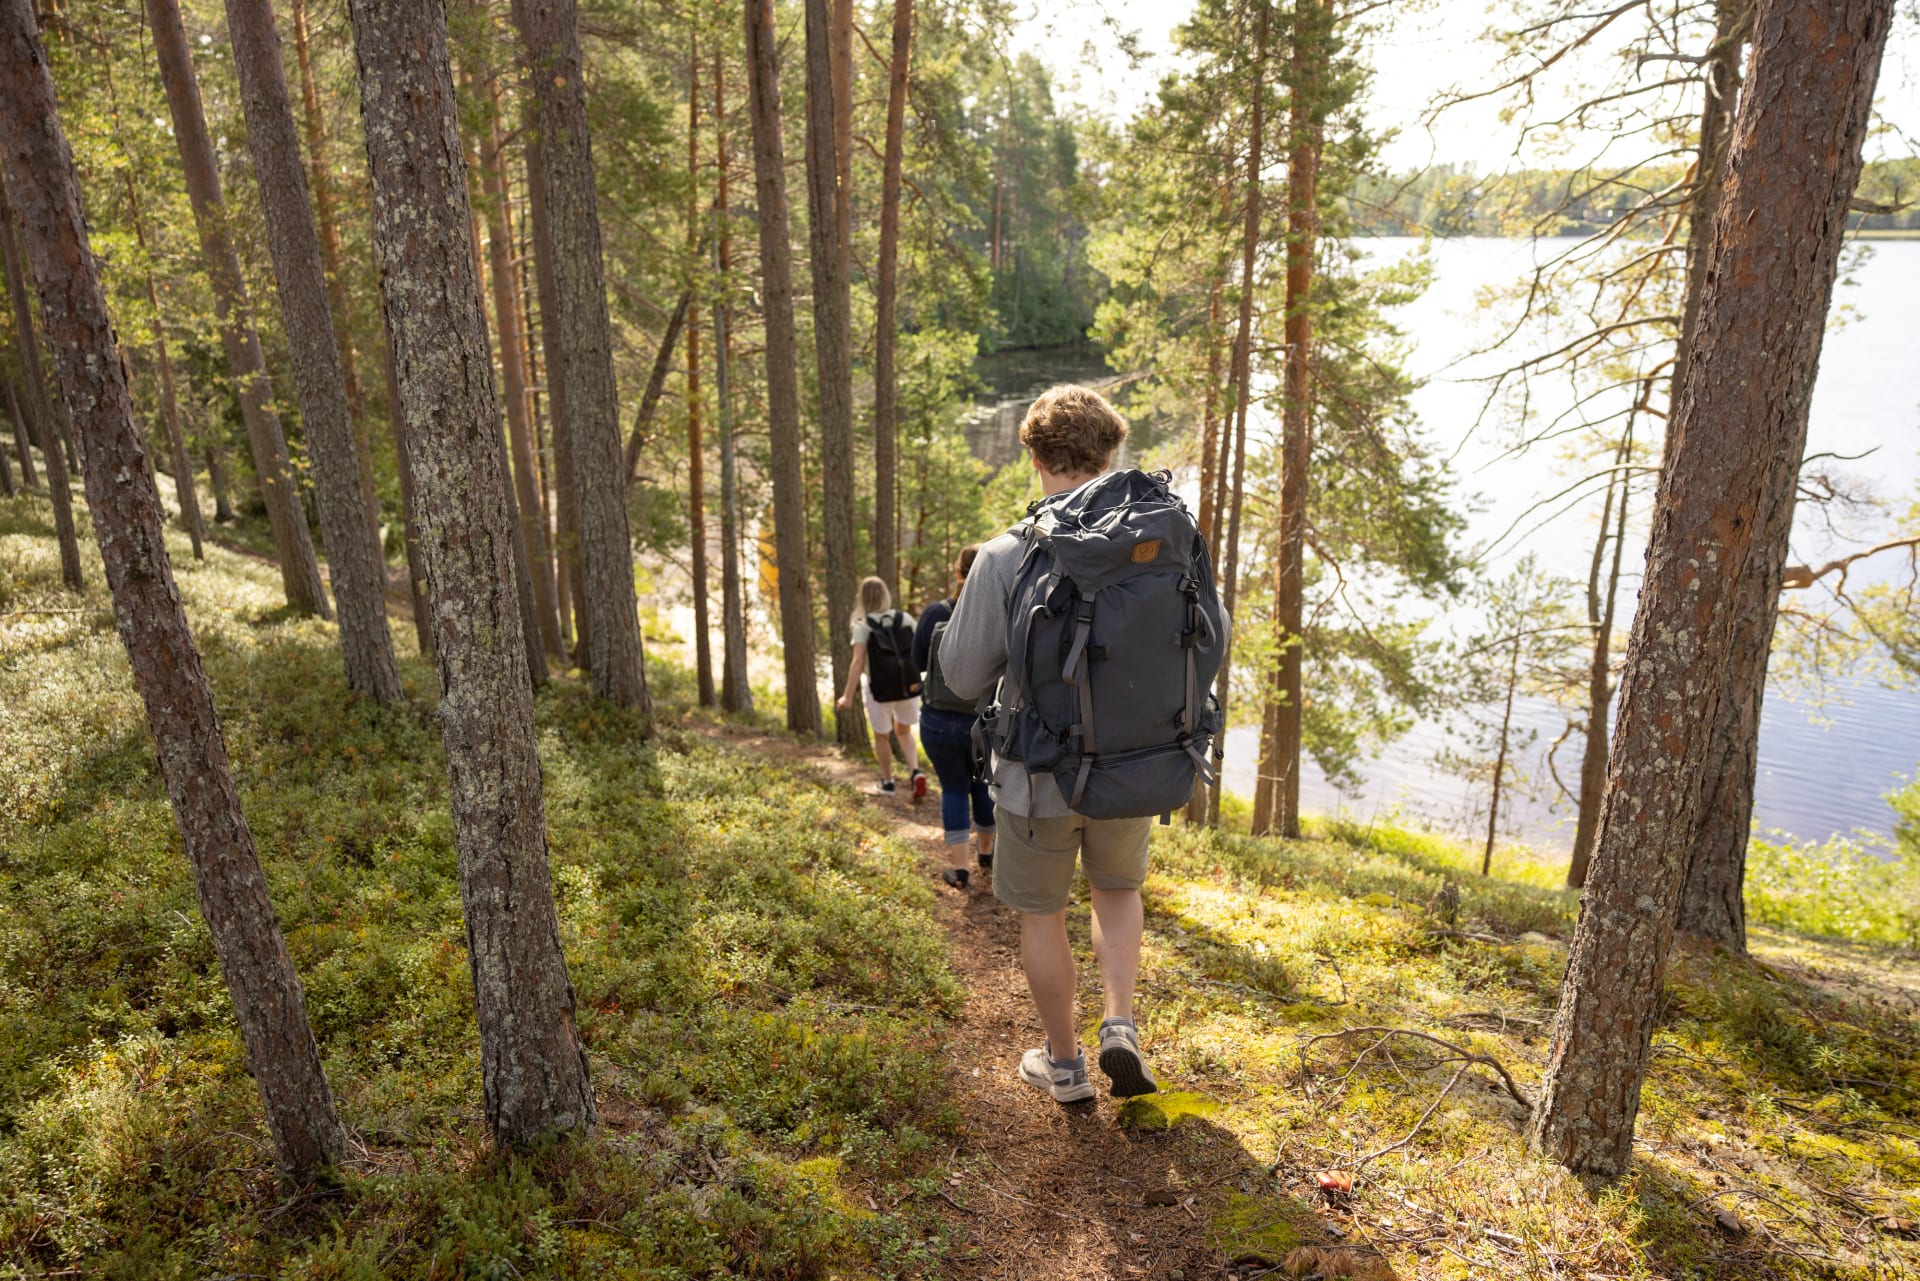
884 716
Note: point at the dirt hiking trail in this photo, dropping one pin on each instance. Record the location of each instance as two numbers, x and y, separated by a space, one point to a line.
1037 1189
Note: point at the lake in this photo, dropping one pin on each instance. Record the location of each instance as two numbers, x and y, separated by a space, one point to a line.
1824 769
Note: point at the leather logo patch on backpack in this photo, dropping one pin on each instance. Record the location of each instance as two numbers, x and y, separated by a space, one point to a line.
1144 553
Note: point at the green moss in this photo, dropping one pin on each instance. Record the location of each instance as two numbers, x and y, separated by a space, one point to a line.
1257 1229
1165 1110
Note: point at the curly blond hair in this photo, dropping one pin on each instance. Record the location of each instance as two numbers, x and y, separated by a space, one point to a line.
1073 431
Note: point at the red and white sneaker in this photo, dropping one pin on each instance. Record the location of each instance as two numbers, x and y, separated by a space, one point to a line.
919 782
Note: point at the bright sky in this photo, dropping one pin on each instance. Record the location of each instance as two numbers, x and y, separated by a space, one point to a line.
1430 47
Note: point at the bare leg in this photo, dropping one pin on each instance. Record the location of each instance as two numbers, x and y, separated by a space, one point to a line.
983 841
883 748
1047 957
1116 946
908 755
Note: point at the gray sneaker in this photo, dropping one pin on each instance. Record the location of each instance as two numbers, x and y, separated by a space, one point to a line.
1120 1059
1065 1079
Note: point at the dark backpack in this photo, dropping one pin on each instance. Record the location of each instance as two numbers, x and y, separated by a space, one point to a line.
938 694
1115 635
891 674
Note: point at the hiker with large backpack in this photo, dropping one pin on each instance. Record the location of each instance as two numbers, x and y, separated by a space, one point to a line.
947 723
1096 624
883 652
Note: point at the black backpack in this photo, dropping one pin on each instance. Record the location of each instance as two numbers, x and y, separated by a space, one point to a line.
1115 635
891 674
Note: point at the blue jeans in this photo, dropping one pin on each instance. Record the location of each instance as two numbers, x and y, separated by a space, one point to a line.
948 738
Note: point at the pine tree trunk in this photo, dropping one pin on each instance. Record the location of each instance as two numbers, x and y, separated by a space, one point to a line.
299 568
550 32
1296 435
1713 902
1242 381
696 447
571 586
1500 761
513 370
217 466
28 477
358 569
532 1062
522 572
1740 423
1601 603
656 383
736 693
783 390
886 424
228 879
1211 426
7 487
409 513
832 345
1213 434
321 182
1721 74
1712 905
39 398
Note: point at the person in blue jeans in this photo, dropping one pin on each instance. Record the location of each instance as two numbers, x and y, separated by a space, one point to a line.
947 735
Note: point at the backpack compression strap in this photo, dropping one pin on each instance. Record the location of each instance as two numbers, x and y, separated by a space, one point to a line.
1079 674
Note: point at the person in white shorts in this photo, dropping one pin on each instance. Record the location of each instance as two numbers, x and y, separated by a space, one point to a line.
892 719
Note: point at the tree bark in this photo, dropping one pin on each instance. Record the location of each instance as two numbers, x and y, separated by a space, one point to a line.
1242 378
321 183
353 553
1500 760
1721 76
656 383
1712 900
696 447
217 465
228 879
1601 605
550 32
20 442
1296 436
783 390
299 569
1712 904
522 573
1740 419
736 694
409 513
532 1062
831 257
513 370
571 584
886 424
39 398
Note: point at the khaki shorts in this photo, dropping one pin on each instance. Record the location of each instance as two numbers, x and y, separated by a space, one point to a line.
1033 861
885 717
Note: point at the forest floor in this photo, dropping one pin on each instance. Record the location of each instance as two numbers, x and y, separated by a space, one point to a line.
804 1045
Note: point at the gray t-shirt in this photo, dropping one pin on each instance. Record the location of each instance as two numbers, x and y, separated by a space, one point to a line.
973 656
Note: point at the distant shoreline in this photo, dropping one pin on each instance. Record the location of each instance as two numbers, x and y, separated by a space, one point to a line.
1870 233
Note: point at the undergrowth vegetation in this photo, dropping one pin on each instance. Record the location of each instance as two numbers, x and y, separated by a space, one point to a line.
756 971
761 986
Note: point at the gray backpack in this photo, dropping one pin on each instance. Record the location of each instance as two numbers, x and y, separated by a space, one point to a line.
936 693
1115 635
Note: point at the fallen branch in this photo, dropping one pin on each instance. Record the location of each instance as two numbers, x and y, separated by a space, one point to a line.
1385 1034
